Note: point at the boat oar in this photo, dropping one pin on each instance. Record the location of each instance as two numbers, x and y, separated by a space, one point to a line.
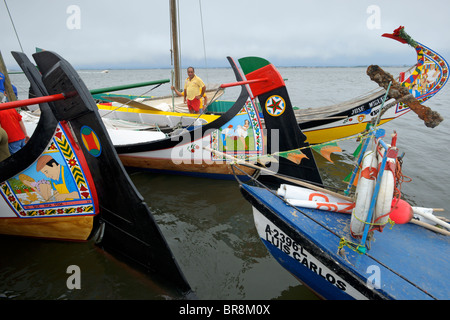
430 227
132 103
427 213
139 105
128 86
127 101
292 180
27 102
61 96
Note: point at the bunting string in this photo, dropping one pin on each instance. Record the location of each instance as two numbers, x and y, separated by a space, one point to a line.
295 155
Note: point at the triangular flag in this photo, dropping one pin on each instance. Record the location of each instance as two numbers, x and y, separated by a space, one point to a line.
357 150
327 149
361 141
266 159
295 156
355 181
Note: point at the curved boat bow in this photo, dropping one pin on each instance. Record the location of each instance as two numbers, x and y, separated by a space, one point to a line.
71 141
424 80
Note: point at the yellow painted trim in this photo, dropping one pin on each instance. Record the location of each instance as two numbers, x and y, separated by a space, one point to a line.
334 133
207 117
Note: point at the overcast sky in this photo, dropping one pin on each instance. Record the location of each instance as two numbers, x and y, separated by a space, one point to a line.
136 33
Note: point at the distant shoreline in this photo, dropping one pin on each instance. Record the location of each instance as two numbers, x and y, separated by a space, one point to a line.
100 70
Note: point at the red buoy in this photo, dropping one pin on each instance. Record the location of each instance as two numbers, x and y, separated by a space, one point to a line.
401 211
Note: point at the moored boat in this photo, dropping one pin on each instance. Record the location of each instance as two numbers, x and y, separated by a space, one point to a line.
238 132
68 182
160 114
341 244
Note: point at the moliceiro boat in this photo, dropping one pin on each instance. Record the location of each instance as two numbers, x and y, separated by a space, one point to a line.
424 80
190 151
362 243
67 182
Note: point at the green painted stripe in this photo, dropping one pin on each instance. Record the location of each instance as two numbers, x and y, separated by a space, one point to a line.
250 64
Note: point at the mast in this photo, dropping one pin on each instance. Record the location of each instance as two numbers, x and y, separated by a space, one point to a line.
175 54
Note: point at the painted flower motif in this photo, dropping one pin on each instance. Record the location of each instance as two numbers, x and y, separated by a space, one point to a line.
79 209
60 211
72 162
41 212
192 147
12 199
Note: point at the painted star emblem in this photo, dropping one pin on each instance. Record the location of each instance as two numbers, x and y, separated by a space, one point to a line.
275 105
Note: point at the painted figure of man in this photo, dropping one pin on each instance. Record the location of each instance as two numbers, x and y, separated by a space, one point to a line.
61 179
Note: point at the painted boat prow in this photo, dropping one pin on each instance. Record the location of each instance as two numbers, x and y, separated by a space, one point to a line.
124 224
28 207
424 80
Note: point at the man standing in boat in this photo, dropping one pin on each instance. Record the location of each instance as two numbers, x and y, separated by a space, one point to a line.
194 90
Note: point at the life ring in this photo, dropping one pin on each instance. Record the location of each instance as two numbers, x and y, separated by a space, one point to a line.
386 192
364 192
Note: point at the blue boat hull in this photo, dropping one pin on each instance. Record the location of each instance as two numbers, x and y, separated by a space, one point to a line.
302 268
404 263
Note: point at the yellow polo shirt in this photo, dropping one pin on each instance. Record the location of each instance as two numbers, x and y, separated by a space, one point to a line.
193 87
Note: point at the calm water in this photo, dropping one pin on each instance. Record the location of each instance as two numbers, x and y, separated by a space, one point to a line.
207 223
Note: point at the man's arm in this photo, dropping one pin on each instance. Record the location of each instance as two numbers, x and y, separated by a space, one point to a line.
202 93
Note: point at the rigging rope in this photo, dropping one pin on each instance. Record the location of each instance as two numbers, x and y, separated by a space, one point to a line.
14 27
203 35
